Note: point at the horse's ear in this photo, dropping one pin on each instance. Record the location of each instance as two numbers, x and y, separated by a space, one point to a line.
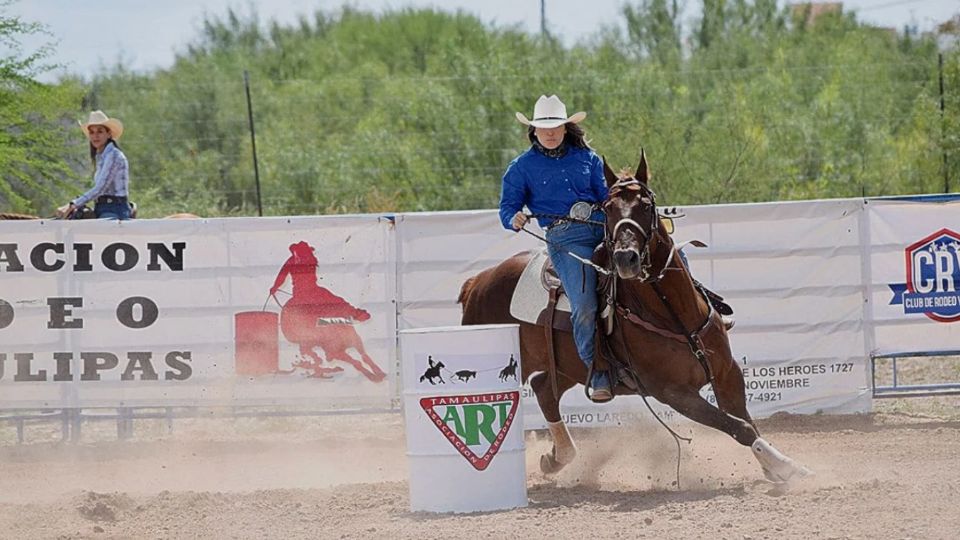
608 174
643 172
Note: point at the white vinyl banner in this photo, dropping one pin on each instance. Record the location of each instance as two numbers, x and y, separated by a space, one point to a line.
305 311
292 311
793 273
915 282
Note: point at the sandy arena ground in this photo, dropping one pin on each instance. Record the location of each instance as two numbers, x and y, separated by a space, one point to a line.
891 474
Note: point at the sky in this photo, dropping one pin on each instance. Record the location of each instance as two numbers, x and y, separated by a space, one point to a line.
145 34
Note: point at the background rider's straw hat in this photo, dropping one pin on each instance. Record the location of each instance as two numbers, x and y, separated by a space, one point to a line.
98 118
550 112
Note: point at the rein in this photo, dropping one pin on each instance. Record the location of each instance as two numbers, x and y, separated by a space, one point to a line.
567 219
692 339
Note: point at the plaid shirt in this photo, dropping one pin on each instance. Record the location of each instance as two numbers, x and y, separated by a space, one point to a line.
112 176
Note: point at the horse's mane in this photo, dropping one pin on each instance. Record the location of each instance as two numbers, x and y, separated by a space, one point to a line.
12 216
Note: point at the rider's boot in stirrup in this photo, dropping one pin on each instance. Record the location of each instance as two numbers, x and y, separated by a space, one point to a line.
600 386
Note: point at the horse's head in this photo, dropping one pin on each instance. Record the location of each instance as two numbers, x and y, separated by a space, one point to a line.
632 224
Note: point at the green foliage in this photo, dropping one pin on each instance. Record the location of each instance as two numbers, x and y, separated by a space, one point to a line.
32 120
414 109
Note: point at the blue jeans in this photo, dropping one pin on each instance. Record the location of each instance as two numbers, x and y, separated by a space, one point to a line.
114 210
579 280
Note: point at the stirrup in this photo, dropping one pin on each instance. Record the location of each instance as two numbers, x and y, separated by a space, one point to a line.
602 395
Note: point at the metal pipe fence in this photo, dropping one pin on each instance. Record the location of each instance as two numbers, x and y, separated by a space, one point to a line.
72 420
896 388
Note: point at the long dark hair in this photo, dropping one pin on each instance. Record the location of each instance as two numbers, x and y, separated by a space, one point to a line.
574 136
93 149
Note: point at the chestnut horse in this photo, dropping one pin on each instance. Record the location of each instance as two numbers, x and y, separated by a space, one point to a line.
668 338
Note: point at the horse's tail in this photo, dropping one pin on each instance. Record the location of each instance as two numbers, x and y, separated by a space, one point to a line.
465 290
422 377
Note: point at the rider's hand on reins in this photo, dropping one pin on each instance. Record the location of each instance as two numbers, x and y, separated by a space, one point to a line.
519 220
66 210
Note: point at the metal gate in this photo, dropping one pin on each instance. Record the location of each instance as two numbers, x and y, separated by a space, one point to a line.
887 367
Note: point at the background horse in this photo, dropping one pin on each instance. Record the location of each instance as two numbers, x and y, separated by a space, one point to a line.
661 325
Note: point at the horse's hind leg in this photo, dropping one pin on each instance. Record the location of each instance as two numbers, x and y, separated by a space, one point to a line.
564 450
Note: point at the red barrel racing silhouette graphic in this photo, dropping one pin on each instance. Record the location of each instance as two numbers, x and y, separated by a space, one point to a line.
313 318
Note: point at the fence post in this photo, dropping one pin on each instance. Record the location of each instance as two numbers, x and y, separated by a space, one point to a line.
253 140
946 169
124 423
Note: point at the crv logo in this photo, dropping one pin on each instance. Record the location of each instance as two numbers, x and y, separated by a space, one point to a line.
932 285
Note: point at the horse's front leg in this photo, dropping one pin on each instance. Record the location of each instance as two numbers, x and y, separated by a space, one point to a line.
564 450
776 466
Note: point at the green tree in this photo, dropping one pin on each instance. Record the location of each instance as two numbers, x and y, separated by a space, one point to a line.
654 30
413 109
34 117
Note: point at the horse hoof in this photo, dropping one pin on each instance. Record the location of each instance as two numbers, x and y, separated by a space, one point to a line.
797 472
549 464
777 467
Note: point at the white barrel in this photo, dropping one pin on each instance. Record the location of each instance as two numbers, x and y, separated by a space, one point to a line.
461 408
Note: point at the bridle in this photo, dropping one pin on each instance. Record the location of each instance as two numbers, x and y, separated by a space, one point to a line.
645 274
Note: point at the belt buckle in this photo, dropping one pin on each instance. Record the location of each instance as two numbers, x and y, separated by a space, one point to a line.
581 210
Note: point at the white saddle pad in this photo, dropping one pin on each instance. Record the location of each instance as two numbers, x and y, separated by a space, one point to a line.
531 297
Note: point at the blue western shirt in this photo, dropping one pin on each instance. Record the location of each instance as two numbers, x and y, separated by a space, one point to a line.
548 185
112 176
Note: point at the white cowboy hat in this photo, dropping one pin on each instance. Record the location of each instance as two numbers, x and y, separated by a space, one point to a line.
550 112
98 118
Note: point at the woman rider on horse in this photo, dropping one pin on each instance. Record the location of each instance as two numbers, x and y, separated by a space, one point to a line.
558 177
112 176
